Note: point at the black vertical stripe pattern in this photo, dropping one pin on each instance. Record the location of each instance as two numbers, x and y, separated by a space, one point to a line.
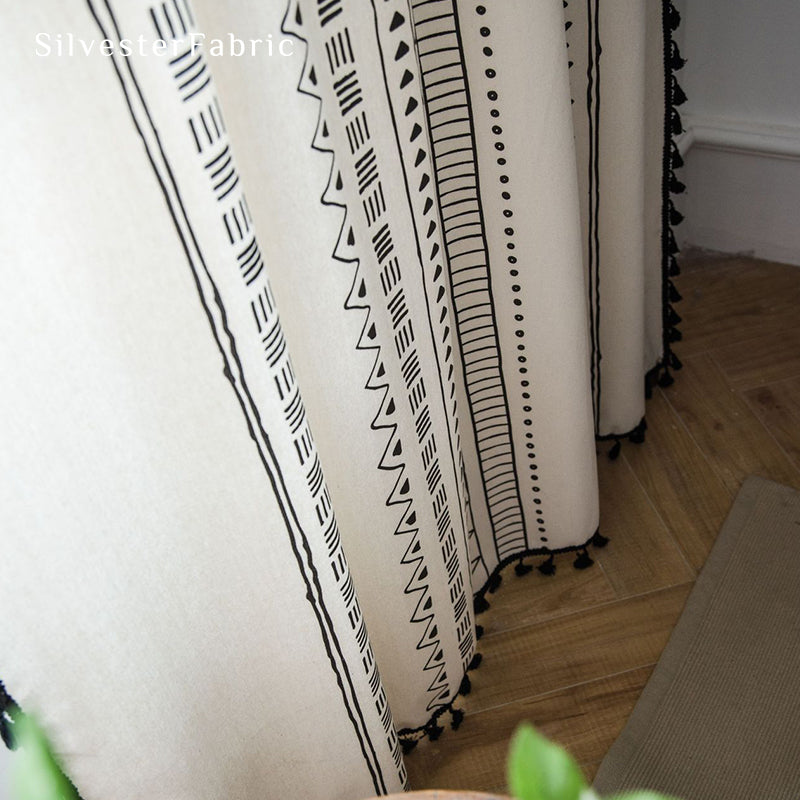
593 111
234 371
470 279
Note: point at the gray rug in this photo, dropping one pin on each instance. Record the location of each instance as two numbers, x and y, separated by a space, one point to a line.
720 717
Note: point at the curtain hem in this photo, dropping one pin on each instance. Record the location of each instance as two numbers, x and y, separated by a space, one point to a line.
432 729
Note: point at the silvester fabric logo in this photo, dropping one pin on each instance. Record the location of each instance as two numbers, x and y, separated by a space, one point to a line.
67 44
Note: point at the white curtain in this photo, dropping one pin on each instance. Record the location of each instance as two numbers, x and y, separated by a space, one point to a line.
243 551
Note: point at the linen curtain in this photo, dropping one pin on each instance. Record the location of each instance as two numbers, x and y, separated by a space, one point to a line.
242 550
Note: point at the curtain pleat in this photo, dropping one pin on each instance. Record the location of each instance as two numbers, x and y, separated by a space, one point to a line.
317 340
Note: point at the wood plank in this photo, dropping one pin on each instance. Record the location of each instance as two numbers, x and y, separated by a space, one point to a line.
642 555
575 649
767 359
584 719
535 598
778 408
725 427
735 300
690 498
557 650
590 770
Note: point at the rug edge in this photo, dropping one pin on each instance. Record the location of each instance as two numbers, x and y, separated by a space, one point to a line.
612 773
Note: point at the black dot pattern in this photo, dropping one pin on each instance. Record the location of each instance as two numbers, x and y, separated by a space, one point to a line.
519 316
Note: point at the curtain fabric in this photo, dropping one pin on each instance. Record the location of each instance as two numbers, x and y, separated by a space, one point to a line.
242 550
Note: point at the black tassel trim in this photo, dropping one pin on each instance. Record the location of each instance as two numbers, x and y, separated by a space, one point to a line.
675 156
676 61
493 584
650 382
548 567
675 187
481 604
410 737
678 95
674 96
598 540
434 732
673 17
635 435
522 568
583 561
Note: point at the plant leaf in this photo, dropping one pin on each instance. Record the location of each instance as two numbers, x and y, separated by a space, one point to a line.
35 773
541 770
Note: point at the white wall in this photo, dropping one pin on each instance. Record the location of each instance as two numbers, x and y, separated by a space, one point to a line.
743 126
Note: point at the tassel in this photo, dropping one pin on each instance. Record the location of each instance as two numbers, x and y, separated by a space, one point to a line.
466 685
649 383
435 731
475 663
407 745
666 379
676 61
583 561
636 436
547 567
673 318
675 216
598 540
674 267
674 335
672 244
522 568
674 294
675 122
613 453
674 361
481 604
478 631
456 718
673 17
678 95
676 157
676 187
494 583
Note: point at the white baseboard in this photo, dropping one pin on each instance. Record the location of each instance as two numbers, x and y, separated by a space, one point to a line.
743 187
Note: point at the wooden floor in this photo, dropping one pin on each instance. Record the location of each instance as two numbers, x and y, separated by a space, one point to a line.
571 653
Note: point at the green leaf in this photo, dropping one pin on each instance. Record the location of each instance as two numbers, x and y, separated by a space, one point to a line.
540 770
35 774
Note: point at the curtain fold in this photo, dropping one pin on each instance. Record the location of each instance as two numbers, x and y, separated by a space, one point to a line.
326 305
